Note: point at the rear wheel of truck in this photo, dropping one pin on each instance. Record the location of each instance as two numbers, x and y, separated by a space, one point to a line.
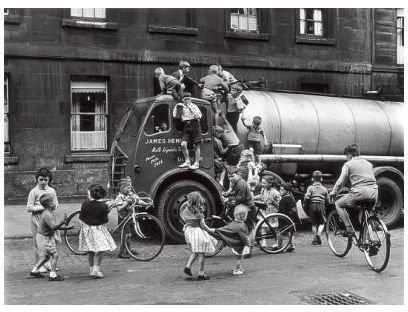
390 201
172 201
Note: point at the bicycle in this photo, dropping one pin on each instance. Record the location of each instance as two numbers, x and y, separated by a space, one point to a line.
273 232
142 233
373 239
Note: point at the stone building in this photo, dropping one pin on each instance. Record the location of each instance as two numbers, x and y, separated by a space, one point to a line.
70 73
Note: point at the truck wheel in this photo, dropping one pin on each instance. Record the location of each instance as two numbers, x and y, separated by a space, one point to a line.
390 201
171 201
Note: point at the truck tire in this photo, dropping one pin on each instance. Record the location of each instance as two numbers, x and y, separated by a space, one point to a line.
390 201
171 200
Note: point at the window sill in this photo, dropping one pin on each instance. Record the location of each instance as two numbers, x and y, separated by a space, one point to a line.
89 23
315 40
12 19
85 158
178 30
247 35
10 160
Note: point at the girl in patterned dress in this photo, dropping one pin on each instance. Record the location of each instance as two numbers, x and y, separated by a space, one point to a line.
94 237
196 233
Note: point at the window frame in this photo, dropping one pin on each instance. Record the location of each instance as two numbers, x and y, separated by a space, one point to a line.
88 17
400 27
246 15
6 114
105 113
328 29
105 23
263 32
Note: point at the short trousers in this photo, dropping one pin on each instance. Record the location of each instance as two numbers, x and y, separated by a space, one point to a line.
192 131
317 213
356 195
46 245
256 145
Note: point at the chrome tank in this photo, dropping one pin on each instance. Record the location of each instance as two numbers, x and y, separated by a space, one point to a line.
325 125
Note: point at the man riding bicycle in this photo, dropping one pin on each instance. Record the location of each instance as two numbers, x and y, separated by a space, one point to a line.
360 173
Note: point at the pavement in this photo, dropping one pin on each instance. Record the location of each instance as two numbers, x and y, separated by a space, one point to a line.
286 278
17 221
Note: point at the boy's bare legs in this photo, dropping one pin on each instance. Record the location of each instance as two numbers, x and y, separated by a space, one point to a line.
197 152
238 265
185 154
40 263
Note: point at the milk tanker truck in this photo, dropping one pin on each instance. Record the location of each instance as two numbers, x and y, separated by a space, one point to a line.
305 133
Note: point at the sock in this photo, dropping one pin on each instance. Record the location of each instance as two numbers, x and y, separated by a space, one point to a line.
53 274
96 268
91 269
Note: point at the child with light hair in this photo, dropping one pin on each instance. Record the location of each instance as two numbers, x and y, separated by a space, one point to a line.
123 202
235 235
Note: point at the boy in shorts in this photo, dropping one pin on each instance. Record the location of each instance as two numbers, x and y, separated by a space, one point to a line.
46 238
316 201
190 117
255 136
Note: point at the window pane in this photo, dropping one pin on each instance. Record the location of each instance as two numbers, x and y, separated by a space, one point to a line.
6 110
76 12
99 13
88 12
158 120
6 128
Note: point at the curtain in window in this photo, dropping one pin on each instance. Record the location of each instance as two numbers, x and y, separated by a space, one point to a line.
317 17
302 21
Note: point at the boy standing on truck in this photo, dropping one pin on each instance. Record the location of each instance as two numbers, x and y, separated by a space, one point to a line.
190 115
255 136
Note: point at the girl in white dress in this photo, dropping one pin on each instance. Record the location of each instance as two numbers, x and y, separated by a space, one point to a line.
196 233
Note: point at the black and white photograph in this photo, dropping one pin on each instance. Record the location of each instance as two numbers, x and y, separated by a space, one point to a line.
203 156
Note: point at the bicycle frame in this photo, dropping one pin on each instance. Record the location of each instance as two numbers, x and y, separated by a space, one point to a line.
133 214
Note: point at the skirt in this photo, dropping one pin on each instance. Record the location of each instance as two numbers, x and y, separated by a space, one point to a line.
199 240
95 238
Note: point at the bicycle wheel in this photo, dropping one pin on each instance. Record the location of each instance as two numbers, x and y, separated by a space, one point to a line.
215 223
274 233
143 236
376 244
338 243
71 236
